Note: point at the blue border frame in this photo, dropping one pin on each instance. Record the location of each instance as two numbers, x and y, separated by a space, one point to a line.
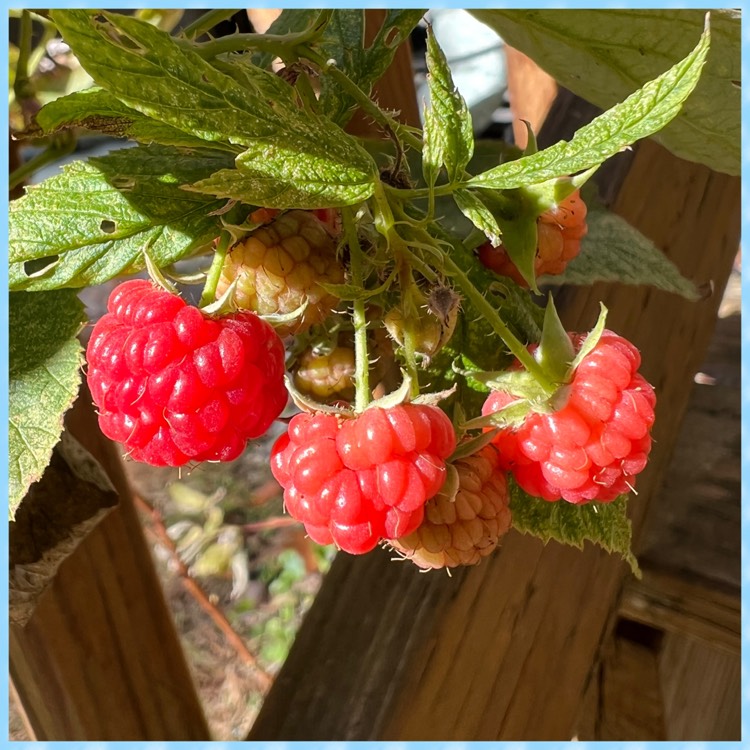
568 4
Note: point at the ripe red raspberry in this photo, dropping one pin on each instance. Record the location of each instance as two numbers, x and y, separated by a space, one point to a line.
559 241
355 481
175 386
278 269
596 442
462 529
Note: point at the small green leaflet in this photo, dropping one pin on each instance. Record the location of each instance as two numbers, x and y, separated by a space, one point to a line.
448 133
337 172
96 109
605 524
642 114
602 54
478 213
615 251
94 220
45 371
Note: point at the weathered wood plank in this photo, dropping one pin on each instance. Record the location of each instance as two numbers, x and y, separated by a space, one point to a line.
702 691
100 658
677 604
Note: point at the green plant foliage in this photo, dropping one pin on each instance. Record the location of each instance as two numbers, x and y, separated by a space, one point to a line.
44 367
642 114
621 49
93 221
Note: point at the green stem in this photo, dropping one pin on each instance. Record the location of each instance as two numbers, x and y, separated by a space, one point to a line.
51 154
359 316
22 86
214 273
489 313
283 45
367 105
207 21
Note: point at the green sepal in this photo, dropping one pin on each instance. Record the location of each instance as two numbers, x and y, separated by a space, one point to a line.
555 352
589 342
520 239
547 195
531 144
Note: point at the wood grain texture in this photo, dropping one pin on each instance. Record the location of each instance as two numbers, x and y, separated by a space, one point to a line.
504 651
702 691
100 658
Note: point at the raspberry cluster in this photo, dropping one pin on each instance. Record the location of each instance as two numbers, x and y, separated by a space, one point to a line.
559 234
462 528
354 481
597 441
173 385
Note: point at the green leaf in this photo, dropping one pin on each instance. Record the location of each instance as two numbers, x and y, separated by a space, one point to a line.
448 132
45 371
605 524
616 252
642 114
291 174
98 110
94 220
147 70
474 209
604 54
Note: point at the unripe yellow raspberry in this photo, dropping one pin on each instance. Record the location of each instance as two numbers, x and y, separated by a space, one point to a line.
279 268
326 376
462 529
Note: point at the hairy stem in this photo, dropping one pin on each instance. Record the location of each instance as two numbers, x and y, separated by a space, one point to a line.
207 21
359 316
214 273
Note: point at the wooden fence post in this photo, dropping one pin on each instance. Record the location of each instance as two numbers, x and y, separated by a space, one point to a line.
100 658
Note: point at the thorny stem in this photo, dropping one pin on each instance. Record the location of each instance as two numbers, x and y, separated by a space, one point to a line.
207 21
359 316
214 273
363 100
159 530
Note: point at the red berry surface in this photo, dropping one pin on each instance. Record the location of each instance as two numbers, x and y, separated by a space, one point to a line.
173 385
355 481
559 233
599 439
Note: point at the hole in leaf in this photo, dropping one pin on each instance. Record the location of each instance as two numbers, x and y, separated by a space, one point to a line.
107 226
39 266
122 183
